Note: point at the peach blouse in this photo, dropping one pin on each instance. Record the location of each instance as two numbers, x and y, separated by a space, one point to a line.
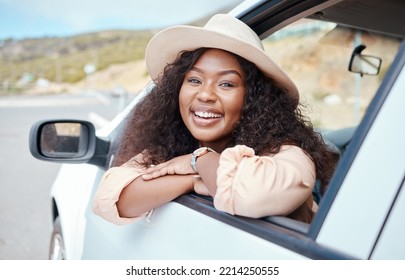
247 184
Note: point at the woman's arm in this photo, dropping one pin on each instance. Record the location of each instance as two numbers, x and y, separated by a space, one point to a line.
123 196
249 185
207 166
141 196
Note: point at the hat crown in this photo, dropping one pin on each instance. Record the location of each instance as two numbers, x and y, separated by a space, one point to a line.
229 26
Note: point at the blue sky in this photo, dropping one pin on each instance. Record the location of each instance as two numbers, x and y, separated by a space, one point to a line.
36 18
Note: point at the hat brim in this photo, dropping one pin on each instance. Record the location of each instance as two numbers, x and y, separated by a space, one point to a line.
164 47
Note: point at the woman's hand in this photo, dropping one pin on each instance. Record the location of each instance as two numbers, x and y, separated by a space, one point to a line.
180 165
204 182
200 187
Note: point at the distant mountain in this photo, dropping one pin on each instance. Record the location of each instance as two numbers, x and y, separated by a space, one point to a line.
62 59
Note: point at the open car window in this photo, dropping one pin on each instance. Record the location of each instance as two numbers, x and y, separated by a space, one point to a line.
316 56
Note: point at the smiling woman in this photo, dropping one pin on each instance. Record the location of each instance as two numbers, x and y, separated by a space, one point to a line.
217 91
211 98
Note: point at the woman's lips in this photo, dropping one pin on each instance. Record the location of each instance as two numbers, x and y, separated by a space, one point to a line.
205 116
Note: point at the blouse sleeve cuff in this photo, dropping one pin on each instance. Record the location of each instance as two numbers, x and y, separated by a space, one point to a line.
229 161
111 186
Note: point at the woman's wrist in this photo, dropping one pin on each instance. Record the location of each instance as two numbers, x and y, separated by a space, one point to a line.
207 169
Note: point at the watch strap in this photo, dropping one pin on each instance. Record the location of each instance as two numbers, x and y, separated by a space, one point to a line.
198 153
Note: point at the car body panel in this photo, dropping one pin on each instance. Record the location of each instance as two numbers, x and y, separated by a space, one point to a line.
157 237
391 243
71 196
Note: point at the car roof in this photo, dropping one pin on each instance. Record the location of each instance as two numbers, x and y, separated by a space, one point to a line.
380 16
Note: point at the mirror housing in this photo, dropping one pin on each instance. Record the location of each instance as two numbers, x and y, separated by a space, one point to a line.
364 64
67 141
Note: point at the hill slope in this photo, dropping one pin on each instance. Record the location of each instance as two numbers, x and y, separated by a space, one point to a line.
62 59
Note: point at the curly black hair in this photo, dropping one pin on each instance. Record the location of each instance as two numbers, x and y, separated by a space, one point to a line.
270 118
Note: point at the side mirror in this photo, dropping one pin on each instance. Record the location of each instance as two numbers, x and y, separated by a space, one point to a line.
364 64
67 141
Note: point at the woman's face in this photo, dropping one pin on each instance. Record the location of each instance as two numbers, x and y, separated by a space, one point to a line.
211 98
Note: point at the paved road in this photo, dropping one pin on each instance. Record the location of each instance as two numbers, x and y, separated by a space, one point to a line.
25 182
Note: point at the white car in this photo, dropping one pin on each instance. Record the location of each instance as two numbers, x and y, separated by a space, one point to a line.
359 112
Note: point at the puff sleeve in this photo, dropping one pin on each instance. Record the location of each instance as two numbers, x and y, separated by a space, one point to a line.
258 186
112 183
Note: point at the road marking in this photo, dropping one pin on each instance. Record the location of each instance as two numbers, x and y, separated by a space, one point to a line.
103 99
97 120
53 101
32 103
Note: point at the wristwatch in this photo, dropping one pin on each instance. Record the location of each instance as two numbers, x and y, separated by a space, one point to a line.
199 153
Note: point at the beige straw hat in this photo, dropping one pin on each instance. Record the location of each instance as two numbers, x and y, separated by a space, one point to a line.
222 31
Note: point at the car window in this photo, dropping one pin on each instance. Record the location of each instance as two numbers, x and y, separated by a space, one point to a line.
316 55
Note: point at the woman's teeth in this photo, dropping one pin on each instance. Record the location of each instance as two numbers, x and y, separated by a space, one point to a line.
207 115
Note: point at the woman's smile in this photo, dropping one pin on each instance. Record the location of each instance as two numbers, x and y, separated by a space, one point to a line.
212 96
205 116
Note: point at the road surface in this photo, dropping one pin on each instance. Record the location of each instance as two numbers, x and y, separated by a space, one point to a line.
25 182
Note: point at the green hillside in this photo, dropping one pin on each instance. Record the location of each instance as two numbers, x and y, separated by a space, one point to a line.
62 59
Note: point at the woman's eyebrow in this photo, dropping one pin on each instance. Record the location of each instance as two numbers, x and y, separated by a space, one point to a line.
220 73
225 72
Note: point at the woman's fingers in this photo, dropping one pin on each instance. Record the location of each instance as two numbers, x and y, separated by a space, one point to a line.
154 173
155 167
179 165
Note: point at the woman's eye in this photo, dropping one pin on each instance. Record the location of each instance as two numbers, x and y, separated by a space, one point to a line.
226 84
194 81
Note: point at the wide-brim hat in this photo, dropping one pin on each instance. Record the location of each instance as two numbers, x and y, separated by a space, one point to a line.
222 31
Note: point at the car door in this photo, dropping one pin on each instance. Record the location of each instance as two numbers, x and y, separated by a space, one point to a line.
362 206
390 244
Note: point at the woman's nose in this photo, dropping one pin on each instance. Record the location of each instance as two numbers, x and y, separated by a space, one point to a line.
207 93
